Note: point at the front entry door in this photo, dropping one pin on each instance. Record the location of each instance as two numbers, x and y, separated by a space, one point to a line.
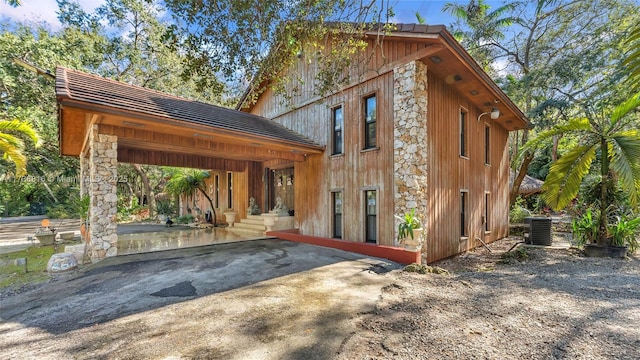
281 184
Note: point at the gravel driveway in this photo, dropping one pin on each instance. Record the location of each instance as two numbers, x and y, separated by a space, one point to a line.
555 305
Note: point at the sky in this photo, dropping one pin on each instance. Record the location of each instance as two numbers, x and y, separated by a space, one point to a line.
45 10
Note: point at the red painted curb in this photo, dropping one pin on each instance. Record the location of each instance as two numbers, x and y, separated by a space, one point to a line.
392 253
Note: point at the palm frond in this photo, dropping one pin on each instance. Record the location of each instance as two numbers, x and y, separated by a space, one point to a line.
20 127
565 176
625 147
623 109
9 141
574 125
16 156
457 11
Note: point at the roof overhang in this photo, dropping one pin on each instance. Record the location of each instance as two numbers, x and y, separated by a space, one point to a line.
449 61
144 128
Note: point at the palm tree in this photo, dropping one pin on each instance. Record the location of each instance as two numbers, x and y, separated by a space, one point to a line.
607 134
485 27
188 182
12 146
632 62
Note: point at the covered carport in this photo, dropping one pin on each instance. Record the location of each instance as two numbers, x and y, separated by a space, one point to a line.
104 122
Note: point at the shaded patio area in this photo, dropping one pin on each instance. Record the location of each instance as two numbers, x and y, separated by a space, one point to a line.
138 239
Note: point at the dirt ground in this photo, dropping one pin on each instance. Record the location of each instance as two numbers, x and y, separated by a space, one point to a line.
555 304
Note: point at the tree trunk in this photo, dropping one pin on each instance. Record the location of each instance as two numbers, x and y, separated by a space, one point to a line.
517 181
604 185
213 209
147 189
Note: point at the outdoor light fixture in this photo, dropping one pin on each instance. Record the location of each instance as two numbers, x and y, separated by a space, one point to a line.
436 59
495 113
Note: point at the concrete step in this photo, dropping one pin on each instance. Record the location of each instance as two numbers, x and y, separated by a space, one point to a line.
255 217
257 227
245 231
252 221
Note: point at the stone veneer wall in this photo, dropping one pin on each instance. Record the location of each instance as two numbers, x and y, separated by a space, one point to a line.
103 171
84 175
410 140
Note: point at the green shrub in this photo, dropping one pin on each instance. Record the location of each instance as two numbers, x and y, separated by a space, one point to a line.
511 257
61 211
585 228
518 214
624 232
185 219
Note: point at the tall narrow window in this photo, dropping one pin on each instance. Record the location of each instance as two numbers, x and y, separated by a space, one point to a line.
338 124
487 144
229 191
216 191
487 211
463 213
337 214
463 133
371 235
370 122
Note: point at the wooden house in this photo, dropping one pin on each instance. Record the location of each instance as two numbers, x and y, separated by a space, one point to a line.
420 126
413 130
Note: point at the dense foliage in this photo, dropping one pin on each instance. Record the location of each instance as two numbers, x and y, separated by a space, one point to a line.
553 58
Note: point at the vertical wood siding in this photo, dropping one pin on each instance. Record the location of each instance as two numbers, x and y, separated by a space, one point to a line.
450 173
356 170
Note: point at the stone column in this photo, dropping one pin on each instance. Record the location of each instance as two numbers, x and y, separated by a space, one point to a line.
84 175
410 140
103 171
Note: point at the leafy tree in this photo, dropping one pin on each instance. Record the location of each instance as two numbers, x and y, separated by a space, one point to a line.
189 181
12 146
251 42
554 56
605 133
26 96
485 27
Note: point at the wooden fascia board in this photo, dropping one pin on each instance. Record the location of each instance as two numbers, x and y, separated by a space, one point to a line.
475 69
153 119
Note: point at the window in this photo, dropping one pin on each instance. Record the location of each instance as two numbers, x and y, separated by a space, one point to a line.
229 191
370 122
337 214
463 133
371 235
216 191
487 145
463 213
338 124
487 212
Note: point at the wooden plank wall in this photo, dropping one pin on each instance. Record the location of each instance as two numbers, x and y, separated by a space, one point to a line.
245 184
358 170
449 173
160 158
368 64
352 172
355 170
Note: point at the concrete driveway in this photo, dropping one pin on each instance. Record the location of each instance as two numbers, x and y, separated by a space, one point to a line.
262 299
